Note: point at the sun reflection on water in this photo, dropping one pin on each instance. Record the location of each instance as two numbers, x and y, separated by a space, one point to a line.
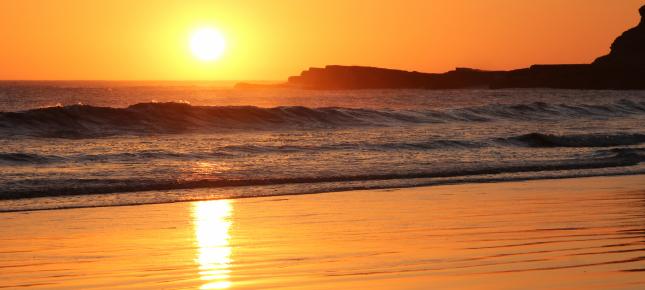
212 223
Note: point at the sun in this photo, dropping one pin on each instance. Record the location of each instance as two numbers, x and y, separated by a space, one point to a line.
207 44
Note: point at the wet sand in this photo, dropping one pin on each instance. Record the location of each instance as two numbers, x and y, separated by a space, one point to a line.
584 233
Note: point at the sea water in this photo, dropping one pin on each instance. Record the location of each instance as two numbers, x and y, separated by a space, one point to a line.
77 144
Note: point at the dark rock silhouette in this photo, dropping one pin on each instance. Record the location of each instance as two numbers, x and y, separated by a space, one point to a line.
360 77
629 48
622 68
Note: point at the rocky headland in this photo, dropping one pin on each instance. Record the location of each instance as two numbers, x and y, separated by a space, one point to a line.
623 68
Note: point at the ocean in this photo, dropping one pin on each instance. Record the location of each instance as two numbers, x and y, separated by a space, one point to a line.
84 144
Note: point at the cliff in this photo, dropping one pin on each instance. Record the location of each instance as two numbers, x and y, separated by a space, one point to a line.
622 68
359 77
628 49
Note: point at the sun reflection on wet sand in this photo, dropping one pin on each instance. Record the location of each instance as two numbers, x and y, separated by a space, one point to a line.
212 221
582 233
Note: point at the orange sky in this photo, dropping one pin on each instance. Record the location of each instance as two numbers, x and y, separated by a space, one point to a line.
270 40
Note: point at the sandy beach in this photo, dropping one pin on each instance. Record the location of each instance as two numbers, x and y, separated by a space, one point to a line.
584 233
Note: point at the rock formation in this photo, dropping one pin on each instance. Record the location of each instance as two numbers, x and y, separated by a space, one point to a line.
622 68
628 49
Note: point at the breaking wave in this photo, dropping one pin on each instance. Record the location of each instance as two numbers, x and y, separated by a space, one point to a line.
83 121
30 188
534 140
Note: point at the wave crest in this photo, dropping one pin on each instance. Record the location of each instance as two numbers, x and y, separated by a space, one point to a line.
582 140
83 121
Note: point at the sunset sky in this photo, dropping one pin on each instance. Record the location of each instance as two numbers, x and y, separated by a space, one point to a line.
270 40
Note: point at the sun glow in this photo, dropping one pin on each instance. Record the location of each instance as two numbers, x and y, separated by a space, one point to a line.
207 44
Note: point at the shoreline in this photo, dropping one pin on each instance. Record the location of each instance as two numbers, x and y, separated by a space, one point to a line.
584 231
474 179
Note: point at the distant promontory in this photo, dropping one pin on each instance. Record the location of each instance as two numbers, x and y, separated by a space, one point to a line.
623 68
